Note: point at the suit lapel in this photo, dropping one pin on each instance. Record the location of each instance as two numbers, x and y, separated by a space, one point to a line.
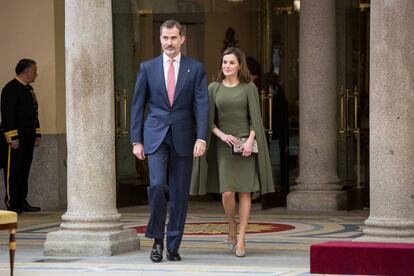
183 74
160 72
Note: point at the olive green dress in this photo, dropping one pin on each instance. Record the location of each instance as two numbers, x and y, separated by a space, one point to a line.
205 177
236 172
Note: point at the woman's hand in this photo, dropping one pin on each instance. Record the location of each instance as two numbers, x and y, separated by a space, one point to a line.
229 139
247 148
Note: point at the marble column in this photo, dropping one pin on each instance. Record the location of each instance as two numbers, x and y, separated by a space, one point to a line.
317 186
91 225
391 122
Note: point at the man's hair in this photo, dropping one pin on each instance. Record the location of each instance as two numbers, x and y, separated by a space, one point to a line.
254 66
23 64
243 74
171 23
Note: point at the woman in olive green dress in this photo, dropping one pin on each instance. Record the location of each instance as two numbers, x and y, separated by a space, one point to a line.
234 112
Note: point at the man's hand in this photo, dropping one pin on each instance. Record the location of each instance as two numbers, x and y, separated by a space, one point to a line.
138 151
14 144
199 148
38 140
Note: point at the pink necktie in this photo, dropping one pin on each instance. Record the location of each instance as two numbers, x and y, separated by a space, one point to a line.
171 82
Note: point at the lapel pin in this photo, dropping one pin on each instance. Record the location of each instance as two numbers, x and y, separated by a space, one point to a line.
188 70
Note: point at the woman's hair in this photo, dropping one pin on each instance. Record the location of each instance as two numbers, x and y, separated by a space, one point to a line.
243 74
23 64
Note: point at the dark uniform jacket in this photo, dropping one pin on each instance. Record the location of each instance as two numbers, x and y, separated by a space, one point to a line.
19 114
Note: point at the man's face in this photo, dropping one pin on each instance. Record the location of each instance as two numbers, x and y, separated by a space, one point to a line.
171 41
30 74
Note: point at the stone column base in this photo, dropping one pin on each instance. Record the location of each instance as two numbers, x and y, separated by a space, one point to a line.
86 243
384 239
384 230
314 200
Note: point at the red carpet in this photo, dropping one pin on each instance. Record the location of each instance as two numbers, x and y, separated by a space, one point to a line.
368 258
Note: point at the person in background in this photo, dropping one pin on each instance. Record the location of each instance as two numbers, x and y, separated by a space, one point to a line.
255 71
280 129
234 113
173 90
20 130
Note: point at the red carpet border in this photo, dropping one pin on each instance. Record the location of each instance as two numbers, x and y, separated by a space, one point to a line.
367 258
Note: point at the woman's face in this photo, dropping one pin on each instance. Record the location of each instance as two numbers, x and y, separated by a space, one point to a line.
230 66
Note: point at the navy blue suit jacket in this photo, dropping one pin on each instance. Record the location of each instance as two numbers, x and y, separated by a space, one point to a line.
187 117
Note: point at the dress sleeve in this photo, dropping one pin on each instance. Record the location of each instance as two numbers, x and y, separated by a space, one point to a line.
253 105
212 89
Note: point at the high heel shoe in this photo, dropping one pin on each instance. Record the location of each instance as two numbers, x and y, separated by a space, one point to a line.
239 253
232 246
232 239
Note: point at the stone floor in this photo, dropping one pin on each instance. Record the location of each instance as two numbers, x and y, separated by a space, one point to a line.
277 244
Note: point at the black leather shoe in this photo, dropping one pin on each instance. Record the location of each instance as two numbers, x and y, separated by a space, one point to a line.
28 208
156 253
173 256
18 210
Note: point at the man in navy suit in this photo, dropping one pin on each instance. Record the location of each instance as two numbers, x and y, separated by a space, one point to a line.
171 90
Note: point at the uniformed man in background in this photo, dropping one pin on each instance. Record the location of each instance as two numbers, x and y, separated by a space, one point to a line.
19 134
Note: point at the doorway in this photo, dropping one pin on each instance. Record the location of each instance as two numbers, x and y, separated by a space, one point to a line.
353 100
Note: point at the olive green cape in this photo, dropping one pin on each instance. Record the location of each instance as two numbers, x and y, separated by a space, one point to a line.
204 177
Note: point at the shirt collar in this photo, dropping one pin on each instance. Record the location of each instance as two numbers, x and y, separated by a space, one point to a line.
21 81
167 58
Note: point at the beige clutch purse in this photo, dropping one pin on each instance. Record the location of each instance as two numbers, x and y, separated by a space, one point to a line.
238 149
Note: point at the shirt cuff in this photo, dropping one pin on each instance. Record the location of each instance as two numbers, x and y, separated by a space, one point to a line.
201 140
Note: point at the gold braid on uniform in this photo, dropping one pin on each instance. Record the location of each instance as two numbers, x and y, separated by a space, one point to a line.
12 135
